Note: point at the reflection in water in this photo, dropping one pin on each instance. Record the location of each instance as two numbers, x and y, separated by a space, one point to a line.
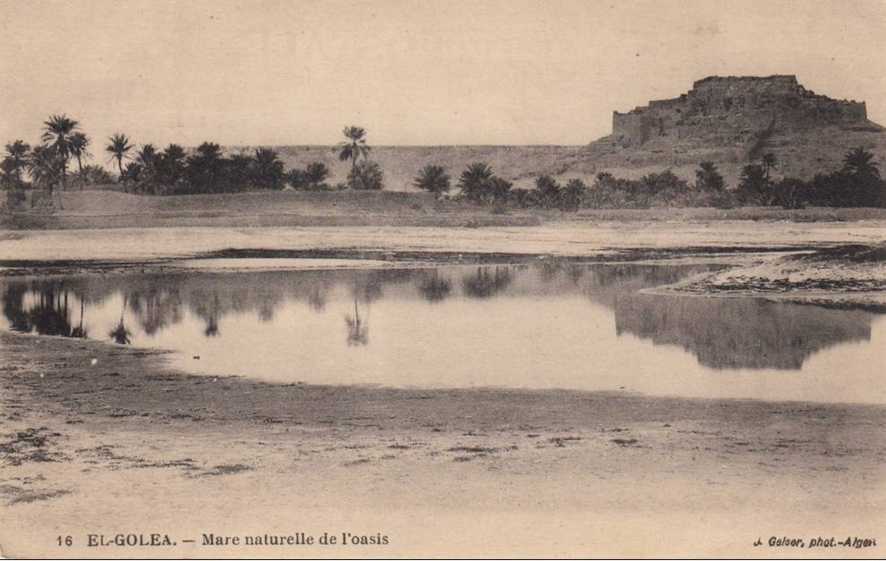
740 332
358 329
80 331
434 287
209 312
120 334
156 307
317 299
734 333
47 313
485 283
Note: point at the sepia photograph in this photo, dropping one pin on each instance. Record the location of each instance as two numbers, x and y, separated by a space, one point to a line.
442 279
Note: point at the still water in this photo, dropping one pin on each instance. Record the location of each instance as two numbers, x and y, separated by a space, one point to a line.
550 325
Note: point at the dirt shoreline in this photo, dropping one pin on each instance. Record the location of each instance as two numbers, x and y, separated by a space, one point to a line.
83 417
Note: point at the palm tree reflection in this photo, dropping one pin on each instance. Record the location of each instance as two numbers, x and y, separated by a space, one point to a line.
80 331
358 328
484 284
433 287
317 298
120 334
211 317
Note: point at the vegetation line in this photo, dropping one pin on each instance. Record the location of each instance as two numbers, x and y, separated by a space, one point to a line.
33 177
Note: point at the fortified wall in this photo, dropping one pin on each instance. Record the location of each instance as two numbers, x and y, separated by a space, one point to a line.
734 109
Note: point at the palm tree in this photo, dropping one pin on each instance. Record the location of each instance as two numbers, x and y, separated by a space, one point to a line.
147 155
147 159
174 153
79 144
268 170
433 179
119 148
204 168
44 165
475 180
860 163
16 159
354 147
57 132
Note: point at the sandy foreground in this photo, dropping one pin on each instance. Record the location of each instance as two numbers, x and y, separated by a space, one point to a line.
99 439
105 440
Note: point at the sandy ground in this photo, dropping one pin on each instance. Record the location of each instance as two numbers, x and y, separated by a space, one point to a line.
99 439
143 244
845 276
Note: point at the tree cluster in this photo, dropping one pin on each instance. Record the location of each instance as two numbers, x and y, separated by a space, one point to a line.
172 170
857 183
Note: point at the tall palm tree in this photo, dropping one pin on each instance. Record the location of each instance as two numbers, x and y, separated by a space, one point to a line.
79 145
171 164
16 158
119 147
147 158
354 147
57 132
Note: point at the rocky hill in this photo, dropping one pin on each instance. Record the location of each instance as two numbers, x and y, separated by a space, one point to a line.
732 121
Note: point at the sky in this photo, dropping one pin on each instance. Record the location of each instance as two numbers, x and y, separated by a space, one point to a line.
411 72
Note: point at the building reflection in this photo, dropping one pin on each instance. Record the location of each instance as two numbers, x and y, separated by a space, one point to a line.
733 333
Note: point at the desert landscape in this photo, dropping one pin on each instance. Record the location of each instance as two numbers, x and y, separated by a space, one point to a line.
272 287
86 419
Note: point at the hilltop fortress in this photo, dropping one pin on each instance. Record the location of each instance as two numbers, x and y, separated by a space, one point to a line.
731 121
735 109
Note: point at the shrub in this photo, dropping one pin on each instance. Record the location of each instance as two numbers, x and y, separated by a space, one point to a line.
548 191
296 179
708 178
366 176
316 173
572 194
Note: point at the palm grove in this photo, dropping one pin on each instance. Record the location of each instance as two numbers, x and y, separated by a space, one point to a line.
57 163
